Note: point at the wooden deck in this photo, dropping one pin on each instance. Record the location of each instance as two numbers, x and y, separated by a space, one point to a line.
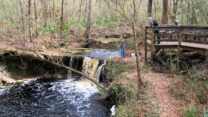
192 37
174 44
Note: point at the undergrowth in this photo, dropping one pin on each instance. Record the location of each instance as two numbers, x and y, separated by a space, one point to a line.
128 100
192 88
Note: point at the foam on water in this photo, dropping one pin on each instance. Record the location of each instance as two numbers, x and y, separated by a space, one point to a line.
52 98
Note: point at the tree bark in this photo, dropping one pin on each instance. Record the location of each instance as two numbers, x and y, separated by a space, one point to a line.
165 12
149 9
140 83
29 20
87 31
22 16
62 17
45 11
175 8
36 19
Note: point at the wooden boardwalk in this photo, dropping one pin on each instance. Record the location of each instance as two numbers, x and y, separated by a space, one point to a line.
188 45
192 37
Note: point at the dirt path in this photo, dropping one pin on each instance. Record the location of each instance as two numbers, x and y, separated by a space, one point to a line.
168 105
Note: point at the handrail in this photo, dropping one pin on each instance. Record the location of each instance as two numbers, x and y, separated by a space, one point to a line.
181 26
183 33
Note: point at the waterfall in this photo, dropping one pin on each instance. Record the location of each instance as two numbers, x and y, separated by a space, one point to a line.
70 65
90 66
97 75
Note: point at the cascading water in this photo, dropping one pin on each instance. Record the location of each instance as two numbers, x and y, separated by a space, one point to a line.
70 65
53 97
99 70
90 66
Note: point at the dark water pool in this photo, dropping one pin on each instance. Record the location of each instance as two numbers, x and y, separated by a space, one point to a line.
52 98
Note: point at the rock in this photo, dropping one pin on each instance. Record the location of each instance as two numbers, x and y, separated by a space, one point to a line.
95 63
8 80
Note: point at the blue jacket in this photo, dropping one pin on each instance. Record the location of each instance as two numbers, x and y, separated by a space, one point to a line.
124 45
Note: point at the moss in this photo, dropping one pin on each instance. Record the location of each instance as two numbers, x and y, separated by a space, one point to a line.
79 51
107 40
19 82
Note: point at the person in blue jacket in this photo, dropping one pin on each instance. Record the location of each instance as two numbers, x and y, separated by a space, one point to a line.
122 46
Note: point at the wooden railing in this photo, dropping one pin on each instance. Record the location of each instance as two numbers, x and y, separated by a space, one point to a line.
170 33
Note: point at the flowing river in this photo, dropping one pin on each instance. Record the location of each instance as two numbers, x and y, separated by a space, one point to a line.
52 97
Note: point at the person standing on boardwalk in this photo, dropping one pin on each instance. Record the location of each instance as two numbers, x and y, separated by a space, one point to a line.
122 46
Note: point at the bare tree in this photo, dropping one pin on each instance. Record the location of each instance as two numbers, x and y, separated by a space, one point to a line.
165 12
62 17
87 31
36 18
175 9
149 8
45 11
29 20
140 83
22 16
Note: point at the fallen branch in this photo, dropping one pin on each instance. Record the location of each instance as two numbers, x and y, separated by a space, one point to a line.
80 73
42 58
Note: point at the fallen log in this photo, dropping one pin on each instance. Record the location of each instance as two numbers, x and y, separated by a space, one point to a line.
105 91
43 57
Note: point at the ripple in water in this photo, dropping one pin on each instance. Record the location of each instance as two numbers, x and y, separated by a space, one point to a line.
52 98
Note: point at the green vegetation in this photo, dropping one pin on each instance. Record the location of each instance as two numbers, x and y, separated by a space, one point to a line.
193 87
124 92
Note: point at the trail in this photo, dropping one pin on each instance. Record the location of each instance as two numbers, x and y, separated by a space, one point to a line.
168 105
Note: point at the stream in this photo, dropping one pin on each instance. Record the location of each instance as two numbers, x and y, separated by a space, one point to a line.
52 97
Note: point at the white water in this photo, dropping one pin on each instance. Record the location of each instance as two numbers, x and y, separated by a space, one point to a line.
99 70
52 98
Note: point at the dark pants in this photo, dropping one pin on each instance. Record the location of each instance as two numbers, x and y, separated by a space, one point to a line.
158 37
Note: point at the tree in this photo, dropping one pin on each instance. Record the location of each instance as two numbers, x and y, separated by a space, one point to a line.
36 19
62 17
29 20
149 8
140 83
45 11
175 8
165 12
87 31
22 16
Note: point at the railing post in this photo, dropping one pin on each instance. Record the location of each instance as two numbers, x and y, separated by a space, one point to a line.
179 47
152 46
145 44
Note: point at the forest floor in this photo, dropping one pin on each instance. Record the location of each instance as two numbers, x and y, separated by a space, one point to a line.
160 87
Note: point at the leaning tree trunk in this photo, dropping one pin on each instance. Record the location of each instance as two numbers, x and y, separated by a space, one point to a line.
165 12
87 31
149 9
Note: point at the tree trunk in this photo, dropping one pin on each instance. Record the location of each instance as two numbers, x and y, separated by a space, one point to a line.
149 9
45 11
62 18
165 12
87 31
36 19
140 83
29 19
22 16
175 8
